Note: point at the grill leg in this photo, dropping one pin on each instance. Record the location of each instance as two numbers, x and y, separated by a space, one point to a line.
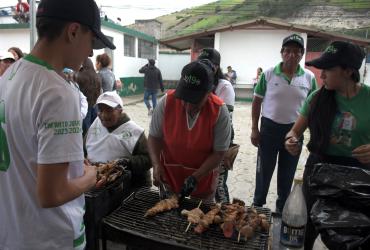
104 243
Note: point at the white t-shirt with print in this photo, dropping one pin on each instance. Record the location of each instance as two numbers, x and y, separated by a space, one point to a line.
42 124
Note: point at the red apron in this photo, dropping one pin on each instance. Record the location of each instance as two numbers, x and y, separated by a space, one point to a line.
186 149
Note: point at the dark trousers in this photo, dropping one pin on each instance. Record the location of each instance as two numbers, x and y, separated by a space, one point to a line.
271 149
311 233
222 191
89 119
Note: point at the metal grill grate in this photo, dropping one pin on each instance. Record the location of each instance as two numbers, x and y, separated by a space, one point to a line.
100 202
169 227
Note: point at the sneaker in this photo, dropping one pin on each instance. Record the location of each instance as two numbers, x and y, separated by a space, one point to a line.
150 112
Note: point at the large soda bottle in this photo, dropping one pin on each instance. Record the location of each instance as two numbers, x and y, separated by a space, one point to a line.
294 217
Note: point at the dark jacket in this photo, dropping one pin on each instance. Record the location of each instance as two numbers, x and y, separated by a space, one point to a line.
152 77
89 82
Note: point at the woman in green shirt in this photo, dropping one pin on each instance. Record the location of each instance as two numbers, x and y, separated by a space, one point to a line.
337 116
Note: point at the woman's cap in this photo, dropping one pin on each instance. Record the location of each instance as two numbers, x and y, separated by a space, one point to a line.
85 12
210 54
110 98
196 81
339 53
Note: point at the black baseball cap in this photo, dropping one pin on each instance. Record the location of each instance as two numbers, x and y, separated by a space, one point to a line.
294 38
210 54
339 53
85 12
195 82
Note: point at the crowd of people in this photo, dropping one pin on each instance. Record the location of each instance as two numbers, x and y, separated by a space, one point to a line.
47 153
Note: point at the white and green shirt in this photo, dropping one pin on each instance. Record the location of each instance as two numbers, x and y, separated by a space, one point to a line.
282 97
40 124
351 126
103 146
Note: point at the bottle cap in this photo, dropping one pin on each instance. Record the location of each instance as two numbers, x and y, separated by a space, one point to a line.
298 180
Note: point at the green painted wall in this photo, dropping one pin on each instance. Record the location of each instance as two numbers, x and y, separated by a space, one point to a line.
132 86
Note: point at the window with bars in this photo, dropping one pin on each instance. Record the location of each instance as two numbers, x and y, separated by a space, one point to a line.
129 45
147 50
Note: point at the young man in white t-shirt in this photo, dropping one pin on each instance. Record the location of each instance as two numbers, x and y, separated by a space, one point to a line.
42 174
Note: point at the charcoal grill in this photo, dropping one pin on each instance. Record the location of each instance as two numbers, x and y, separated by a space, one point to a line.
100 202
167 230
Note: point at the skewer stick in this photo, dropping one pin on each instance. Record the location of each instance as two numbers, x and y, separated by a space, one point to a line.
187 228
239 237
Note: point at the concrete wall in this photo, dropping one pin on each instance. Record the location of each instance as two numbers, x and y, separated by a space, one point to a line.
172 64
15 38
246 50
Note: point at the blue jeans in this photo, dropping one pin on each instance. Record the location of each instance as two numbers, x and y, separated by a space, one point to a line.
147 94
272 138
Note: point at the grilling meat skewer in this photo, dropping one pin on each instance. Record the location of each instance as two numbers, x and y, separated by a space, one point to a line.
250 222
208 219
162 206
230 215
194 215
107 172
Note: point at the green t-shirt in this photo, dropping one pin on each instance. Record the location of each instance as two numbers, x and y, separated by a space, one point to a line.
351 126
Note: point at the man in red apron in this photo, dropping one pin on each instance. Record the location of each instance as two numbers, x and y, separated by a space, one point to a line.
189 134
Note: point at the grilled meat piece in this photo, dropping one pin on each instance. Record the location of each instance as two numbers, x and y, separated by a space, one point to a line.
107 172
230 216
194 215
162 206
207 220
247 231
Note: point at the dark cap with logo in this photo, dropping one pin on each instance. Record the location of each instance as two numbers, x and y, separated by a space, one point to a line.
294 38
339 53
210 54
195 82
85 12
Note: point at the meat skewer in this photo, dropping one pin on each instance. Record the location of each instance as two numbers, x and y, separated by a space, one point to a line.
193 215
162 206
208 219
230 215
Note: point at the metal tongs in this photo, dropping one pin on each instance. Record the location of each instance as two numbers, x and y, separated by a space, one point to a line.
163 191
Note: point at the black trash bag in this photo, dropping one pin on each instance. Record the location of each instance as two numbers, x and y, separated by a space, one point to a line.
341 213
342 183
340 227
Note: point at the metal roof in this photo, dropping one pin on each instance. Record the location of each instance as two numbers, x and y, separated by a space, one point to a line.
183 42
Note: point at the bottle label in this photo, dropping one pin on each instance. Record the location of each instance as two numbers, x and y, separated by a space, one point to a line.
292 236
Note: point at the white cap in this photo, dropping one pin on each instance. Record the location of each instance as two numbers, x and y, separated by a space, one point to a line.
6 55
110 98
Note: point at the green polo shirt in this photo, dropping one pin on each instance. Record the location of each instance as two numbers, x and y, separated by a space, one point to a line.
261 87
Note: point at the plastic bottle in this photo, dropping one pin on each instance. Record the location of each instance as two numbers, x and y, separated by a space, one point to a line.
294 218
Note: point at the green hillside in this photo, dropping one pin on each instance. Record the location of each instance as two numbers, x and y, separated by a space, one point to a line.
225 12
